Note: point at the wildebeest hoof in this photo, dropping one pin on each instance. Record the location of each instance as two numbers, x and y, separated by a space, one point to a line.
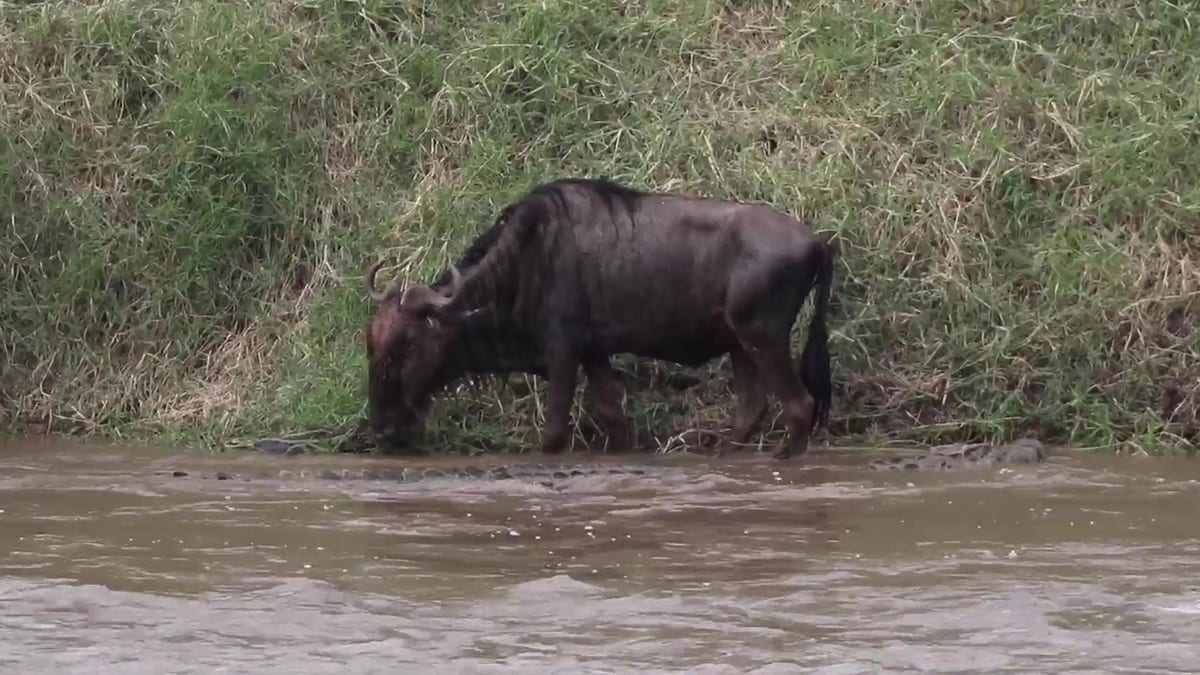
695 439
620 442
785 452
788 450
723 449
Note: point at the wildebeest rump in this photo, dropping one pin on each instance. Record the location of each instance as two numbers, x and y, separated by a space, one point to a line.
582 269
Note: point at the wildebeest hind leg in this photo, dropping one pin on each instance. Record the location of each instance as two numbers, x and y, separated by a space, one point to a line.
751 399
777 368
606 402
763 303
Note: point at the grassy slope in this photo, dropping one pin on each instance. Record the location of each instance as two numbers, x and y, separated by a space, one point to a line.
1015 185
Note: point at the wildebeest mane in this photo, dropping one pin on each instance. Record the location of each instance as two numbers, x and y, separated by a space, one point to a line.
544 204
611 192
479 247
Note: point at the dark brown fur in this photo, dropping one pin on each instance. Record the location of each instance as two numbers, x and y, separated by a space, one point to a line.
582 269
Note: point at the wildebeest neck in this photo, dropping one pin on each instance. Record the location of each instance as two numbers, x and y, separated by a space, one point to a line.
525 240
504 269
491 344
490 341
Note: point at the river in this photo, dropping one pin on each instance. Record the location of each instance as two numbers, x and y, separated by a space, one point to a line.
111 564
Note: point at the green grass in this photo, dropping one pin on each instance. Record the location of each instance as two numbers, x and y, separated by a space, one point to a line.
190 192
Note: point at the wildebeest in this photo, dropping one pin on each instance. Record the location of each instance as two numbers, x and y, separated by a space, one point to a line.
582 269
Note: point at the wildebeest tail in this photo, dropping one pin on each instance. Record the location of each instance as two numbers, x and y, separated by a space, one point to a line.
814 361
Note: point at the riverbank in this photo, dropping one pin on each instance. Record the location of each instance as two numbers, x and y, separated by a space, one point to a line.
189 195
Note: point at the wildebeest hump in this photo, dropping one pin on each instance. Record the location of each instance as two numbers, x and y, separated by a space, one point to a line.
654 282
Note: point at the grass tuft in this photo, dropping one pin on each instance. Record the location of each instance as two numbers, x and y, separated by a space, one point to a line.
189 194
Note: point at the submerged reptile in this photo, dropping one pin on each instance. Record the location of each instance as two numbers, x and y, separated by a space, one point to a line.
543 473
546 474
966 456
940 458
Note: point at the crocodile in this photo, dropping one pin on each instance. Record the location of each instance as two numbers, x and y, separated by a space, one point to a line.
352 442
545 474
939 458
966 455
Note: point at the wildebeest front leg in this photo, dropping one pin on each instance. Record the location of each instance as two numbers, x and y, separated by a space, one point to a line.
562 373
606 401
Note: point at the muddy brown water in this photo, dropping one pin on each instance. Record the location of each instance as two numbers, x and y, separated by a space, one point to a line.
738 565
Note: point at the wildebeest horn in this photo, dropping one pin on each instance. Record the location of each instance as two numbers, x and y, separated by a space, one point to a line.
452 289
372 292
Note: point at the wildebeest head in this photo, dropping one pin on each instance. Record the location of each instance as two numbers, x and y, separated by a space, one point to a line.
408 339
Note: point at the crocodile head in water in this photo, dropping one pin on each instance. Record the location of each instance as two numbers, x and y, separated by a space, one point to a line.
966 455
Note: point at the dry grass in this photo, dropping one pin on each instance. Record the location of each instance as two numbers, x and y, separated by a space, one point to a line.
1014 186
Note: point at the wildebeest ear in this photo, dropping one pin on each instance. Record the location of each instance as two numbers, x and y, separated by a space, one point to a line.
835 245
454 317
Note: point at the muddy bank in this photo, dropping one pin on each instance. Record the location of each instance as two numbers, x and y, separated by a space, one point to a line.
734 565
